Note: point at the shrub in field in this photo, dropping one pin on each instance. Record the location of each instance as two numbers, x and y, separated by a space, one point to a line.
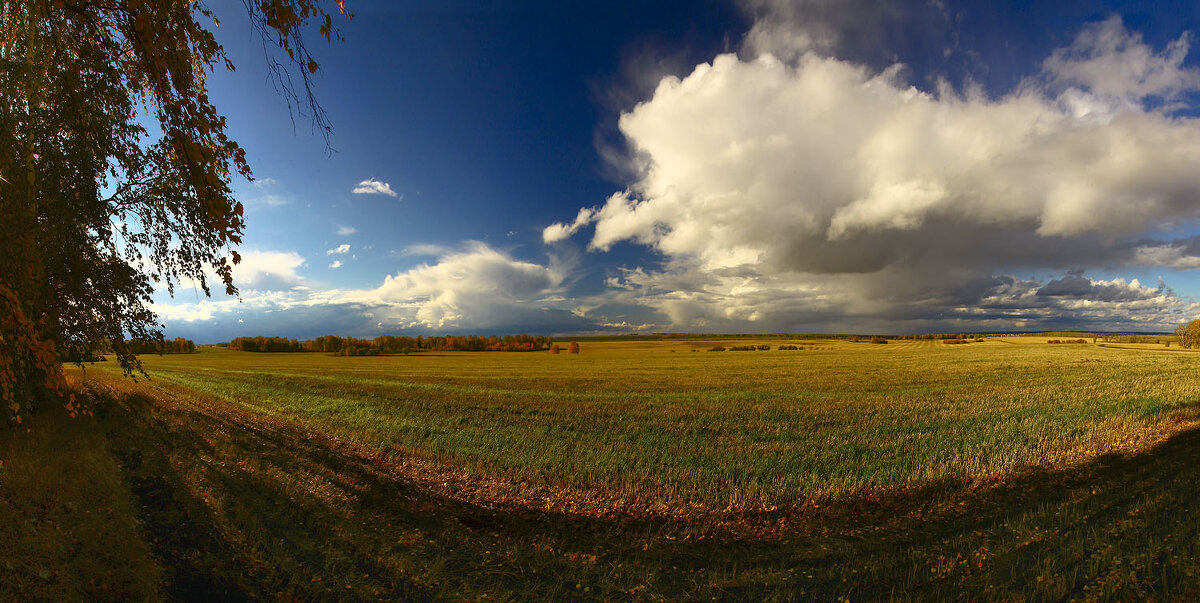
790 347
743 348
717 348
853 338
554 349
878 339
574 348
954 341
764 347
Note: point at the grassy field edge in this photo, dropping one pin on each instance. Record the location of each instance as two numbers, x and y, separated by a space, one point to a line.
239 506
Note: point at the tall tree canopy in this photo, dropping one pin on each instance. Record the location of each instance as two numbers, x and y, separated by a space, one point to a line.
116 168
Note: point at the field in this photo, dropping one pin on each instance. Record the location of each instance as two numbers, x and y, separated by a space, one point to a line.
638 424
1005 468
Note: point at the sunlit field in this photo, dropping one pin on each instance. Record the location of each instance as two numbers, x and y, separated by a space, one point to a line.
669 425
657 470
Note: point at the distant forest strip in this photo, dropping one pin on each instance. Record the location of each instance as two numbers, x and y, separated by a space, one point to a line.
1139 337
759 336
396 344
756 336
179 345
392 344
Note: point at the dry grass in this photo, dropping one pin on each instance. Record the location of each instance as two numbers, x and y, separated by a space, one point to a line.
1006 469
69 523
238 505
648 427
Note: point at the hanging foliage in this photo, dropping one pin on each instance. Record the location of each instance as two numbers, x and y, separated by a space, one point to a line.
95 209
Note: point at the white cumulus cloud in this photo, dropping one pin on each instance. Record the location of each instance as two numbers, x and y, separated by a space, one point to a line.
372 186
268 269
809 188
340 249
474 285
472 288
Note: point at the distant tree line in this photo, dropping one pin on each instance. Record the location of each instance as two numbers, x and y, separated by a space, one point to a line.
1113 338
1063 334
941 336
871 339
394 344
179 345
267 344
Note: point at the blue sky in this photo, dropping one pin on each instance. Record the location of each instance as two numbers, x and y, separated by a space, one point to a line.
752 166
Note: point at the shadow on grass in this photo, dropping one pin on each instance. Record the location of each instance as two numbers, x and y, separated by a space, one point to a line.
238 507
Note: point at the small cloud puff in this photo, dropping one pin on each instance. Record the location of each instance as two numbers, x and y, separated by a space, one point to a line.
559 231
427 249
266 197
336 264
346 231
340 249
372 186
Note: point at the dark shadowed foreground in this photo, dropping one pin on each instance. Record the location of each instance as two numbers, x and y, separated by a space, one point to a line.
209 502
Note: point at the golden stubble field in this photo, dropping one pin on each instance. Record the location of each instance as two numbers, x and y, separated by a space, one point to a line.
1009 469
668 427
